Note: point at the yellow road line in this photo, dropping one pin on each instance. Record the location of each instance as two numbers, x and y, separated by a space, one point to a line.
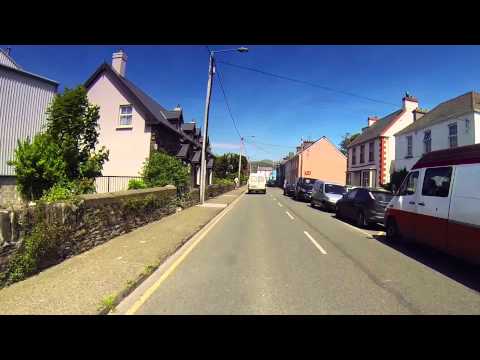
198 237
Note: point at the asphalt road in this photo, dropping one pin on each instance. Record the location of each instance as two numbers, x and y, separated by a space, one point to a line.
272 255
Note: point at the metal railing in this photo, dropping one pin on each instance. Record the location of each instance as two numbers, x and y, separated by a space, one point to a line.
106 184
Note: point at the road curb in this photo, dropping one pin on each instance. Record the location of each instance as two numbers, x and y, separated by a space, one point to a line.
123 294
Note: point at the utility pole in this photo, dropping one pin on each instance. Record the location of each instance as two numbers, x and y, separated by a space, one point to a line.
240 163
203 159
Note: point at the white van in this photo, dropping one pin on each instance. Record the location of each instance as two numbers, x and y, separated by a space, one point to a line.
257 183
438 203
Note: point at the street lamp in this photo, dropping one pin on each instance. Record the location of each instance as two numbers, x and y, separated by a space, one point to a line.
203 160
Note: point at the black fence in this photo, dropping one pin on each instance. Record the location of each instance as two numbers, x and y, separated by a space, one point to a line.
106 184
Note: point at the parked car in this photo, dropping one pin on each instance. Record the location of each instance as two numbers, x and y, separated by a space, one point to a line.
326 194
271 182
364 205
257 183
438 203
304 188
289 189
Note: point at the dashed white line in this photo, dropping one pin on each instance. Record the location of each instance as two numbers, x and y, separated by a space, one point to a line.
274 199
280 205
291 217
315 243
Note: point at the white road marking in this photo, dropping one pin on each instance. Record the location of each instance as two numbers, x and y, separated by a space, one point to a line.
291 217
280 205
274 199
315 243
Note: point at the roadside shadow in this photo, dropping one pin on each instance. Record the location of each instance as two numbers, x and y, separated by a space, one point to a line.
454 268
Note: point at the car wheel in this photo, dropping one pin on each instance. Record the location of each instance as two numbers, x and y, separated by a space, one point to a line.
338 214
361 220
312 203
391 231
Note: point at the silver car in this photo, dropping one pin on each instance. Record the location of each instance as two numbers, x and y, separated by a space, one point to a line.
326 194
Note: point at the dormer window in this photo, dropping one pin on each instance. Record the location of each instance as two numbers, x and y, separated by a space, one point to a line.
125 119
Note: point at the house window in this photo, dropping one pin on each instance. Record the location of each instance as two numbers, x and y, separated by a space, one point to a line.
354 156
370 152
452 135
467 125
366 178
362 154
427 141
125 115
409 146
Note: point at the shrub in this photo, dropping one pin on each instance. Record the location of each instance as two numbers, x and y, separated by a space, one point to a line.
396 179
60 192
218 181
134 184
38 166
162 169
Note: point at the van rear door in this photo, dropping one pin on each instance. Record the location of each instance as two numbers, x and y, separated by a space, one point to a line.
433 201
404 204
464 218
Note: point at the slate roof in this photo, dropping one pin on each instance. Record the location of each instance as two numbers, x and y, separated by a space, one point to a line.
468 102
196 156
183 152
376 129
188 126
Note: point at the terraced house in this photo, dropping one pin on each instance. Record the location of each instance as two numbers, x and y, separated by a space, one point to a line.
455 122
24 98
132 124
371 155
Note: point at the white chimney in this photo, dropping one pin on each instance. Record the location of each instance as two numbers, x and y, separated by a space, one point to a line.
178 108
119 62
410 102
372 120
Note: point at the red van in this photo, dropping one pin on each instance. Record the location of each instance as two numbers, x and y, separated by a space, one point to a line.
438 203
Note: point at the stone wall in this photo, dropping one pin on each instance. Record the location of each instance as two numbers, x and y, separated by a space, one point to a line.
93 220
8 193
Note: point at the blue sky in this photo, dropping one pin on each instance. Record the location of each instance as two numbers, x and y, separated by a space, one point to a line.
275 111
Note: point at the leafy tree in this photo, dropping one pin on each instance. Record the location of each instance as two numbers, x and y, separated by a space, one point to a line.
161 169
226 166
396 179
346 140
64 154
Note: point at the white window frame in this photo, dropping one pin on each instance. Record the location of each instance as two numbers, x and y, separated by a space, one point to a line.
121 115
371 151
451 137
429 140
409 146
467 126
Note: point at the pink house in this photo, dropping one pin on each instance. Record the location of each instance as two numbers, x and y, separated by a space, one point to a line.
319 159
132 124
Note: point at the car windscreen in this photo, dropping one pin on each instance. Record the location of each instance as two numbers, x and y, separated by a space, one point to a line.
382 196
335 189
308 183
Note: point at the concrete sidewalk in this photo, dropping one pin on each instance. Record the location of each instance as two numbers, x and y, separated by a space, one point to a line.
92 282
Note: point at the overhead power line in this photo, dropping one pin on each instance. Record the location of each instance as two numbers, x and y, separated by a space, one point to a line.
327 88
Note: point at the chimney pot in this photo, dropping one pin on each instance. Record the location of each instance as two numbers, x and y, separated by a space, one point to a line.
372 120
119 62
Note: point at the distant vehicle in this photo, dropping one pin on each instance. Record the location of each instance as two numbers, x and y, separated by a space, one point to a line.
257 183
271 182
438 203
304 188
326 194
364 205
289 189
